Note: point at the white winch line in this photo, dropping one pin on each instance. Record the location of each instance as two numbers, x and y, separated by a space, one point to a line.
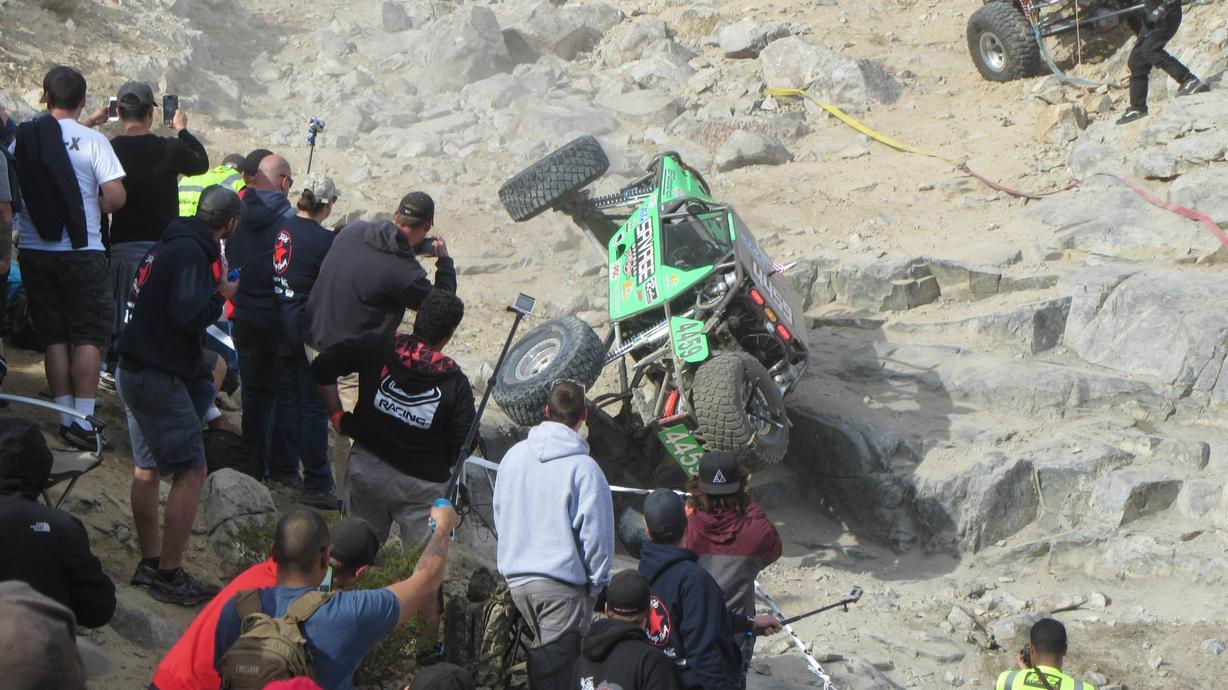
494 467
815 668
221 335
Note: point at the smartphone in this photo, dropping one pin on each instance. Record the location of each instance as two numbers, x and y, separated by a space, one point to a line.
523 305
113 109
170 104
425 247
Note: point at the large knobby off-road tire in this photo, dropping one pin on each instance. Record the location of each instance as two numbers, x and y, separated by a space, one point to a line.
565 348
540 186
740 409
1001 42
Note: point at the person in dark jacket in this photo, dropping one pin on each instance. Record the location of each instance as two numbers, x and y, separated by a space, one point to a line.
616 652
153 165
173 299
47 548
414 411
1158 25
687 617
256 317
732 535
372 275
300 426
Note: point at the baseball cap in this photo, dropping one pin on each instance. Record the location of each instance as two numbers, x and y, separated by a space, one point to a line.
218 205
321 187
135 94
41 648
627 594
719 474
234 160
443 677
417 205
251 164
355 543
664 515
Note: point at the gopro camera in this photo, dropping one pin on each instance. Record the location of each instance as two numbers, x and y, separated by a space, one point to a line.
425 247
170 105
113 109
523 305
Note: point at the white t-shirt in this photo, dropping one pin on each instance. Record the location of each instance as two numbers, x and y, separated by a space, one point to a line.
94 162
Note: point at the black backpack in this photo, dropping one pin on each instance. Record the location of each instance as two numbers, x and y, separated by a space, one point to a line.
224 448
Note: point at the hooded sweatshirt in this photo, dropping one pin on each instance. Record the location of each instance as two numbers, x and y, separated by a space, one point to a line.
734 547
44 547
367 281
687 618
616 654
171 301
553 511
250 249
414 407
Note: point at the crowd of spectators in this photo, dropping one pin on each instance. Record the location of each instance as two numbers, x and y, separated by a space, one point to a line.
132 249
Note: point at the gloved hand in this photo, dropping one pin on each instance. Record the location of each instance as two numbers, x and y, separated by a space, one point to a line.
1156 16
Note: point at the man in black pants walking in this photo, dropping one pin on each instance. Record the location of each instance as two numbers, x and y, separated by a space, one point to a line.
1160 21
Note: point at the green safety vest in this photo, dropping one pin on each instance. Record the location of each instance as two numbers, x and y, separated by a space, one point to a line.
1027 680
191 187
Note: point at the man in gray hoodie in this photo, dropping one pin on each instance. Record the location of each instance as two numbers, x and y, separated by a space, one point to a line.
555 521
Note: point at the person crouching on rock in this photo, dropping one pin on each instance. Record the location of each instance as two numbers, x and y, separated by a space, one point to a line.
732 536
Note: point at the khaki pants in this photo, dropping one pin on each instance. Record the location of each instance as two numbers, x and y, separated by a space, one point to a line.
381 494
552 608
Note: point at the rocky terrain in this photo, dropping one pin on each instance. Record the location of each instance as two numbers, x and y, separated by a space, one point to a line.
1014 408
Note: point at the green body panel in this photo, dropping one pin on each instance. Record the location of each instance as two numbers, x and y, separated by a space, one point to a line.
639 279
681 444
690 342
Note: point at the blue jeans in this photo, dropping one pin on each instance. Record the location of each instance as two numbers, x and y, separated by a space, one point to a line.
300 427
257 348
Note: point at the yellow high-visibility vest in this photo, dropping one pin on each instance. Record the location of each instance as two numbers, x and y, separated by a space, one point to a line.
191 187
1018 679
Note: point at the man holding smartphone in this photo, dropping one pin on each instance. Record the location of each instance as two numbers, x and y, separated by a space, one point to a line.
154 164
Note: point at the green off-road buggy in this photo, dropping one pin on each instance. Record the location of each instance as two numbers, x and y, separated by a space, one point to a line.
702 321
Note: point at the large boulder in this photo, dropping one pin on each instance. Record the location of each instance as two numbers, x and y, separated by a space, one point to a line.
742 148
1130 494
467 46
565 31
851 83
1167 325
1205 191
748 38
889 283
229 494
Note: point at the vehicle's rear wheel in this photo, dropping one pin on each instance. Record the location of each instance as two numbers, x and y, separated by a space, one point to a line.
564 348
740 409
1002 44
542 185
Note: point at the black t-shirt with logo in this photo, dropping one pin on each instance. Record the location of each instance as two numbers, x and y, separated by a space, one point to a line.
299 248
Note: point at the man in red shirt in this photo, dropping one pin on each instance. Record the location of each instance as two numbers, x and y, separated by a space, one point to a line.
189 664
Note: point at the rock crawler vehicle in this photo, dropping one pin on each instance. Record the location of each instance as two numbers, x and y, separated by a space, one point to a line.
1004 36
703 323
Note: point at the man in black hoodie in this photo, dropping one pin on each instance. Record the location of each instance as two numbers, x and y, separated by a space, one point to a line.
174 297
616 653
257 318
44 547
687 617
414 411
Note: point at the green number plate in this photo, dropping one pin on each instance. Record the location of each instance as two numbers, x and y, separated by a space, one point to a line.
690 343
681 444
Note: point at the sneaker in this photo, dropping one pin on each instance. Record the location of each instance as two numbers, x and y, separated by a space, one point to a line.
285 481
106 382
1132 115
144 576
182 590
323 500
1192 86
84 439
